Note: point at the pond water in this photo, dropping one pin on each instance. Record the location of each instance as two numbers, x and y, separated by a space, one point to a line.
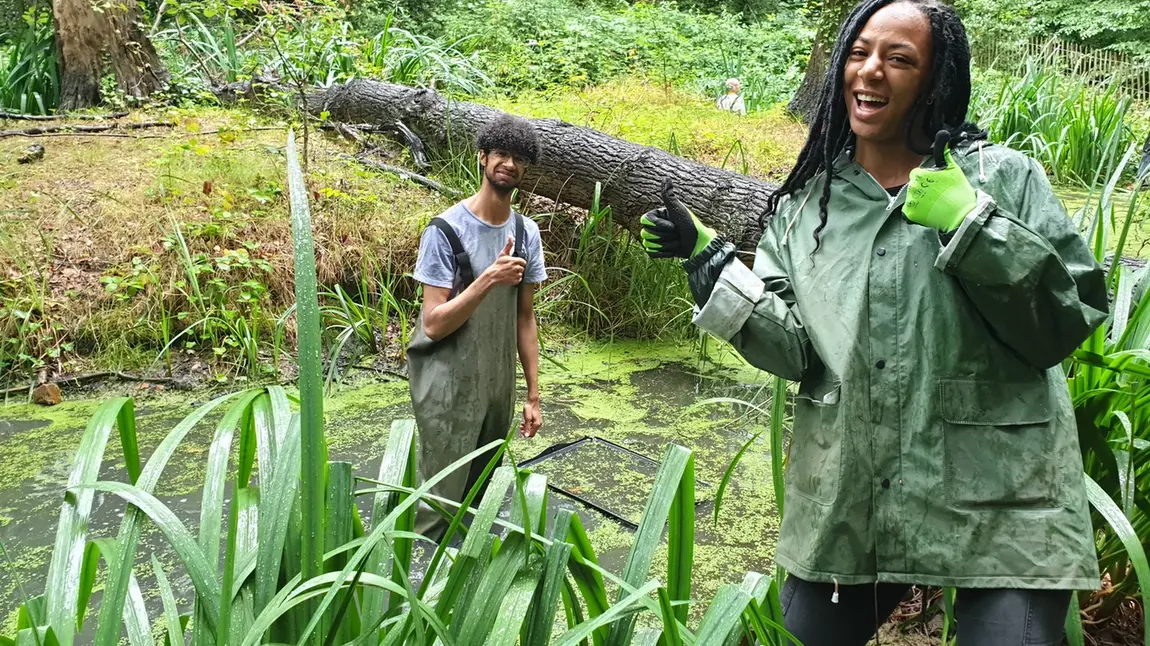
638 396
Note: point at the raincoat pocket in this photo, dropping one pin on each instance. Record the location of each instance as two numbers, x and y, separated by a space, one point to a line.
814 464
998 441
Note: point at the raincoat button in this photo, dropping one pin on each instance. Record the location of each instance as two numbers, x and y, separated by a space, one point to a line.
880 251
886 483
880 364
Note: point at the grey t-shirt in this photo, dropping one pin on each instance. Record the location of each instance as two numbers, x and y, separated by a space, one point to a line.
435 264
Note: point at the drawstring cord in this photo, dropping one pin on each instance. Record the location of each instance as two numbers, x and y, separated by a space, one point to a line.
798 213
835 595
877 627
981 168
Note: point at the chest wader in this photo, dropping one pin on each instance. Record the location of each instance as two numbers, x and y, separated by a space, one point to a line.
463 385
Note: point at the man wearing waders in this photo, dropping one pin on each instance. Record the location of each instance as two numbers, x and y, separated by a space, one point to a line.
479 263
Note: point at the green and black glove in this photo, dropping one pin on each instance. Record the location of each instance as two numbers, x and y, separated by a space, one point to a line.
941 197
672 231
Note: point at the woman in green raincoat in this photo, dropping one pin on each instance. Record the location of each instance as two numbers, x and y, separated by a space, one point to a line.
924 299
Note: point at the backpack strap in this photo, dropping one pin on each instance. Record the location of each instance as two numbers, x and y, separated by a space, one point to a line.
462 259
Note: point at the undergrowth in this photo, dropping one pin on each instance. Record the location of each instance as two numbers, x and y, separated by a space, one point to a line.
28 78
183 242
539 44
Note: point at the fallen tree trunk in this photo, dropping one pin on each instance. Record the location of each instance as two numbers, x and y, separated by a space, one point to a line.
573 160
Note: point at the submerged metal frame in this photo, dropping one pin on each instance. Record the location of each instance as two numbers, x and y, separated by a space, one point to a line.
558 450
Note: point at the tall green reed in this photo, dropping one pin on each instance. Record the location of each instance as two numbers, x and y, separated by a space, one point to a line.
29 79
1062 121
318 48
611 286
1109 378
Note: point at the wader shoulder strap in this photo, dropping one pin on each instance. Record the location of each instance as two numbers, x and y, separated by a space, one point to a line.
462 259
519 250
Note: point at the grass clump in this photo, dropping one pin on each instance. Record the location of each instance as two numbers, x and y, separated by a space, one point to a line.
121 244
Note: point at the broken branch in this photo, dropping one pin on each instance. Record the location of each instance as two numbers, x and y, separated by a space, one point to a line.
406 174
73 129
57 117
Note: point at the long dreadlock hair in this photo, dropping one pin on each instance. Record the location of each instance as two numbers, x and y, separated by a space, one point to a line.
942 104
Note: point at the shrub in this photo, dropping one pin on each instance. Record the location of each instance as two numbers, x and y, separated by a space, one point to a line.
527 44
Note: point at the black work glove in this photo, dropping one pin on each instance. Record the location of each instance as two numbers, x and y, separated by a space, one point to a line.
704 269
672 231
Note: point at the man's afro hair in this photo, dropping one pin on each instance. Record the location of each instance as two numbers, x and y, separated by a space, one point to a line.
511 133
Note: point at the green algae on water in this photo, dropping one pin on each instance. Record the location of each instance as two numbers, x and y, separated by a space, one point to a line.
641 395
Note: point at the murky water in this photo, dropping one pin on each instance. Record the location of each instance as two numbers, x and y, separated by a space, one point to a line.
638 396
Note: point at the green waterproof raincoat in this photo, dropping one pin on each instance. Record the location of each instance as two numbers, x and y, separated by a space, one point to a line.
934 438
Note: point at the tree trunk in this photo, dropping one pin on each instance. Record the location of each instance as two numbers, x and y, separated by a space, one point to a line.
806 100
82 38
139 72
78 47
831 16
573 159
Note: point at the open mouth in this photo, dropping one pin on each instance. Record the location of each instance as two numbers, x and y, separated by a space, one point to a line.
869 103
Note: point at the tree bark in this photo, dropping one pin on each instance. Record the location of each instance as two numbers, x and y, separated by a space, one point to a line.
78 47
84 35
831 16
573 159
139 72
806 99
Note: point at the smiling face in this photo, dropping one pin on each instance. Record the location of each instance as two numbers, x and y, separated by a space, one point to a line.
502 169
887 68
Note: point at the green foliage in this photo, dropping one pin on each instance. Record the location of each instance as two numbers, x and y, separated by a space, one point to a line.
1123 25
10 12
314 45
219 309
362 321
492 590
749 11
29 80
30 336
528 44
997 22
1068 126
424 16
1109 385
613 288
321 574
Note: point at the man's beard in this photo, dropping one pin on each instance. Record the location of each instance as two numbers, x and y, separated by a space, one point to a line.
500 185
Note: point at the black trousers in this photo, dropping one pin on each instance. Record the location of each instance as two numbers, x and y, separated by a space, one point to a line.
985 617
